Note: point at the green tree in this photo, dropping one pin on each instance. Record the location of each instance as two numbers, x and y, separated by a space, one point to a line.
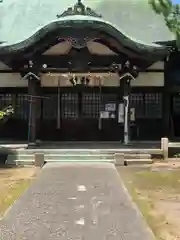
171 14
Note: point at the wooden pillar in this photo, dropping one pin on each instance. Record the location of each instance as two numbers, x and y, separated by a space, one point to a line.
124 108
126 98
166 104
166 113
32 91
126 74
120 110
38 109
59 105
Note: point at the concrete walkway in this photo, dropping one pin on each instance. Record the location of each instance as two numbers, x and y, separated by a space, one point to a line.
75 202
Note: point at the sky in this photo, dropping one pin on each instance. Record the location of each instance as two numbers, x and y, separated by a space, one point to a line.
175 1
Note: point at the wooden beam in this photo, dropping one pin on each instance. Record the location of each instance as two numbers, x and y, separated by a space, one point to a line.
84 57
66 70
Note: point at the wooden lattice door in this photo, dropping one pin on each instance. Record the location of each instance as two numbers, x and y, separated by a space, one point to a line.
74 115
79 115
69 106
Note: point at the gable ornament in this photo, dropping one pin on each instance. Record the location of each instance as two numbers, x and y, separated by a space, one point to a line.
79 9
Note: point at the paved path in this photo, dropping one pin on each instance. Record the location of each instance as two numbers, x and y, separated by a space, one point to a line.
75 202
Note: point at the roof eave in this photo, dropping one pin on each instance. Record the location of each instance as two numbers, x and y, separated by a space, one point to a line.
155 50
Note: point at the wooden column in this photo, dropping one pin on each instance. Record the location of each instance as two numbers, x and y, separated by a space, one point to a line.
126 98
166 113
120 107
38 101
41 120
166 104
32 91
59 105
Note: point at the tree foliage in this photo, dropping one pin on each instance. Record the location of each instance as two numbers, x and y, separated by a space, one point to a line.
6 112
171 14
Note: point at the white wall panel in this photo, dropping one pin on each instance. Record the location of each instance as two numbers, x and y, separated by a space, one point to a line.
12 80
149 80
144 80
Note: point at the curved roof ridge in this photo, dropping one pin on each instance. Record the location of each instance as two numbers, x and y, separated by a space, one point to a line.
134 18
85 18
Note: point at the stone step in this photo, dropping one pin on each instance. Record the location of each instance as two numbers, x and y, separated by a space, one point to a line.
64 155
120 162
137 161
118 156
80 157
89 151
132 156
81 160
23 158
86 153
61 156
23 162
26 162
126 162
12 159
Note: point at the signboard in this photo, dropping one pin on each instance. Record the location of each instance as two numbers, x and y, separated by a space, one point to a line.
112 115
110 107
104 114
121 113
132 114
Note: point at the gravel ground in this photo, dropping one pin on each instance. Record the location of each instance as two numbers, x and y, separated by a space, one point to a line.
75 202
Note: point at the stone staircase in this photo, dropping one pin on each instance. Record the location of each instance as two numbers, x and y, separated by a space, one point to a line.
26 156
116 156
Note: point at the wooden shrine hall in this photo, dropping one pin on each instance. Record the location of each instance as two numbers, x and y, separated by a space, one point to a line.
72 73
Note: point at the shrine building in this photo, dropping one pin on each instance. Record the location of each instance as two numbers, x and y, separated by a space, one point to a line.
87 70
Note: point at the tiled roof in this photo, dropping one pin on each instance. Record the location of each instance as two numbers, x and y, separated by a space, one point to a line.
20 19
